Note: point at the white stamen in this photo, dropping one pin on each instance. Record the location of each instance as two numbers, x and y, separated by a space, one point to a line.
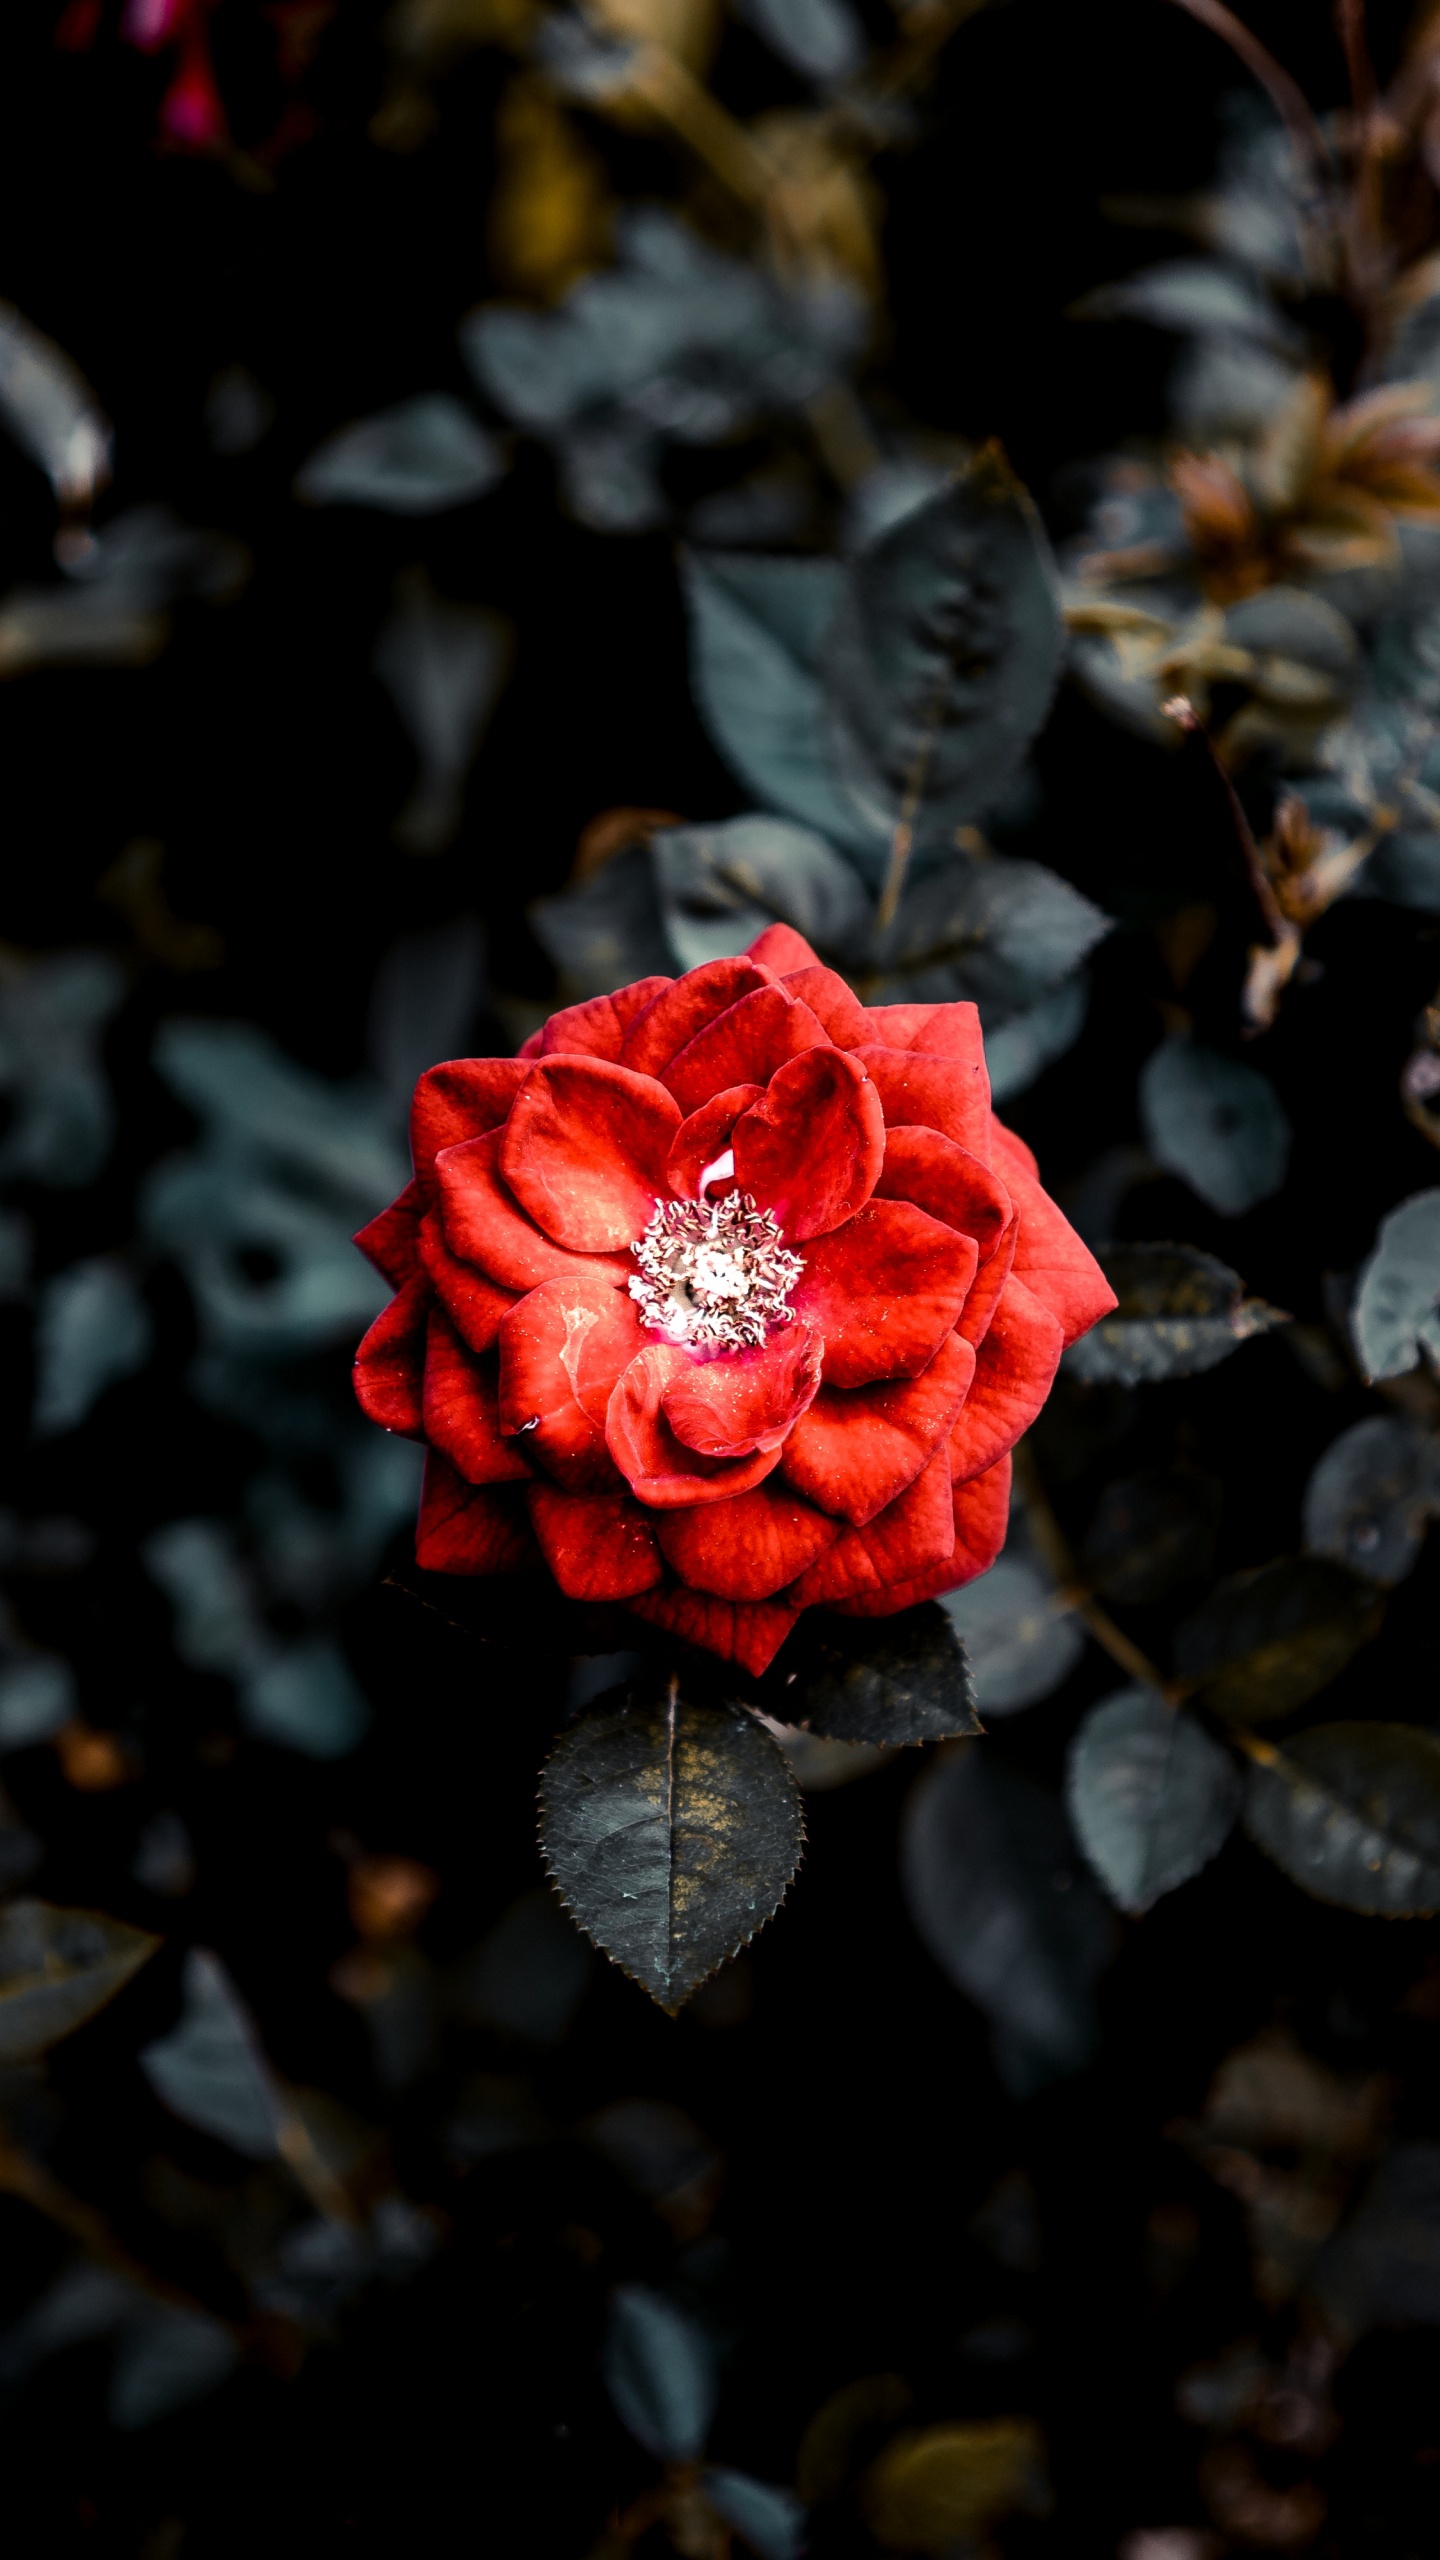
714 1272
722 1170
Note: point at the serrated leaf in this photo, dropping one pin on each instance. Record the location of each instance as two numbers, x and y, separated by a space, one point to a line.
1396 1316
1372 1496
1151 1796
944 654
57 1967
1180 1312
1020 1646
1352 1813
720 885
671 1832
770 2521
999 1896
935 2489
209 2068
660 2372
1265 1641
994 931
1216 1123
883 1680
1151 1534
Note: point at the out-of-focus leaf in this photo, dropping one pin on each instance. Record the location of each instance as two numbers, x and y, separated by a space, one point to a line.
94 1327
935 2489
1151 1796
57 1968
164 1860
1190 294
821 39
529 1975
51 411
1216 1123
944 655
217 1624
996 930
37 1691
165 2359
1019 1645
52 1012
852 2422
248 1093
608 931
660 2372
308 1699
885 1680
1000 1897
820 1765
209 2067
1352 1813
1020 1050
1151 1534
664 2155
768 2520
671 1832
1180 1312
413 460
1395 1316
239 412
427 991
147 559
1372 1496
1382 2268
1266 1640
757 629
444 667
721 885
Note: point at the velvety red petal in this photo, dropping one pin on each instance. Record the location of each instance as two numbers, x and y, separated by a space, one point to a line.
944 1030
392 1241
936 1093
1007 1147
947 1182
390 1363
469 1528
913 1533
984 1293
884 1290
704 1137
659 1469
982 1516
1014 1372
485 1225
597 1028
749 1547
684 1007
813 1148
562 1349
473 1305
1049 1256
584 1151
847 1020
459 1100
533 1046
745 1400
858 1447
599 1546
461 1408
748 1632
745 1044
782 949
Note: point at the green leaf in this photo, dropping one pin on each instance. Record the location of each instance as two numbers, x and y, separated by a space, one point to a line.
770 2520
720 885
945 653
1382 2268
166 2358
1266 1640
1020 1645
1151 1534
1215 1123
209 2068
883 1680
994 931
1396 1316
671 1832
1151 1796
413 460
608 931
1021 1049
1372 1496
660 2372
1352 1813
57 1967
1180 1312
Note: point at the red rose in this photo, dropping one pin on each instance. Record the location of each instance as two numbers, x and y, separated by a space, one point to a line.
727 1296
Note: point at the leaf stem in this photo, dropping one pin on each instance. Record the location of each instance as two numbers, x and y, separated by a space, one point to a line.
1072 1594
33 2183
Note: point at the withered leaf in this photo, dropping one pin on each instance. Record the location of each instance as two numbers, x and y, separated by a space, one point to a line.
934 2488
887 1680
1265 1641
1352 1813
57 1967
671 1832
1181 1311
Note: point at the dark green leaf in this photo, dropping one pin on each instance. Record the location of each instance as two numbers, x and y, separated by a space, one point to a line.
720 885
166 2358
608 931
57 1967
768 2520
660 2372
1181 1311
1022 1048
1396 1316
995 931
210 2068
1020 1645
1382 2268
1216 1123
1352 1813
1151 1534
1265 1641
1151 1796
1372 1496
528 1976
884 1680
671 1832
413 460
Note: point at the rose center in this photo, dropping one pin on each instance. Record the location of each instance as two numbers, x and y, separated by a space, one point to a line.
714 1271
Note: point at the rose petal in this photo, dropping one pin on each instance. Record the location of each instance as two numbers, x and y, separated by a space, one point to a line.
782 949
390 1363
562 1348
473 1305
748 1632
584 1151
947 1182
913 1533
834 1005
659 1469
984 1294
680 1010
392 1241
599 1546
745 1400
485 1224
749 1547
706 1135
812 1150
533 1044
943 1030
1014 1372
938 1093
982 1516
884 1290
1049 1256
462 1409
459 1100
745 1044
467 1528
858 1447
597 1028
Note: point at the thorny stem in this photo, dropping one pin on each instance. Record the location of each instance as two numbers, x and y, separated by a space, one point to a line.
1185 716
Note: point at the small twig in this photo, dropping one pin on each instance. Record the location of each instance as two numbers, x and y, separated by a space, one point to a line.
1284 92
1072 1594
22 2176
1185 716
